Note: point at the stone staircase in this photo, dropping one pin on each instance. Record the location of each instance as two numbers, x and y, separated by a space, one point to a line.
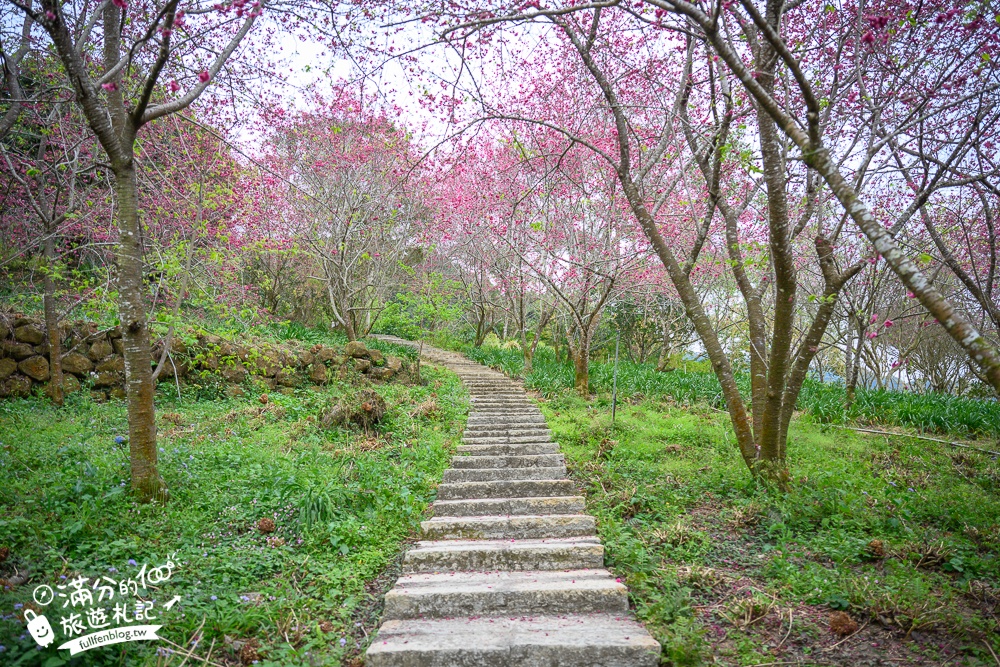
509 571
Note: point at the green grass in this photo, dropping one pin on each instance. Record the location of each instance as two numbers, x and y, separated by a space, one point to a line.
699 544
824 402
343 502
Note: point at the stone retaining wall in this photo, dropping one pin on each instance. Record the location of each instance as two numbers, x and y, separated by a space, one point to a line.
93 358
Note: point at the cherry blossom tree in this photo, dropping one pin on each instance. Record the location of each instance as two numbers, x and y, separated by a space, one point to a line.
118 92
663 92
351 195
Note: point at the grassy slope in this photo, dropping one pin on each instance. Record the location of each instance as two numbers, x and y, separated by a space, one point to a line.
939 413
229 462
714 565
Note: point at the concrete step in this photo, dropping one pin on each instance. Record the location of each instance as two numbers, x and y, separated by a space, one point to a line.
505 593
453 475
529 461
502 399
525 488
495 420
512 448
501 395
499 439
572 553
509 506
578 640
527 527
496 431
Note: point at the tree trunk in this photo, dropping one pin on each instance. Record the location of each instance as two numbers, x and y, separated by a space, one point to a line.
352 334
848 356
146 481
480 329
852 379
664 359
581 377
529 355
55 388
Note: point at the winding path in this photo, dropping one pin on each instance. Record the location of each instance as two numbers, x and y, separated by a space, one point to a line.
510 570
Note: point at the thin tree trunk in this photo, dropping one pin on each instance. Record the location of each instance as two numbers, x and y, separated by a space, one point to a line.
785 281
55 389
852 381
661 362
146 481
581 371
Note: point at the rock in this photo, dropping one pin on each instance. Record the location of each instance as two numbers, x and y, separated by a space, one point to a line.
30 334
17 350
7 368
235 391
77 364
21 321
16 386
210 340
317 373
210 362
306 358
167 374
234 373
70 384
37 368
42 348
381 373
325 354
119 346
115 333
106 380
287 391
267 363
356 349
119 393
4 330
395 364
99 350
98 396
113 364
377 358
177 347
287 378
362 365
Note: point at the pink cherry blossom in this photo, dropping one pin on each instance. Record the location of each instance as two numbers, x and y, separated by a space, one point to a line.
204 77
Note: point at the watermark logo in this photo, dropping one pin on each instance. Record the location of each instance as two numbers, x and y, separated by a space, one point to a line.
102 612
